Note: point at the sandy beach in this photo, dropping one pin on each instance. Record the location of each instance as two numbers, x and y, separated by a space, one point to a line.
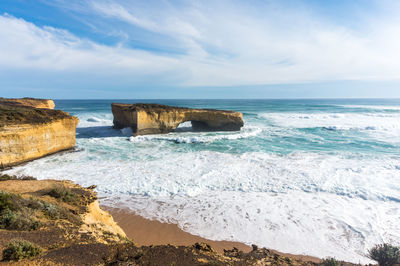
146 232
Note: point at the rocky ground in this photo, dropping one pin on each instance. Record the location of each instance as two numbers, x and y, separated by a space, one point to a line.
51 222
15 112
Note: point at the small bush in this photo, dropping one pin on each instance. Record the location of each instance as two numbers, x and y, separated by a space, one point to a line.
385 254
13 177
330 262
5 177
26 177
52 211
33 203
18 250
63 193
20 220
6 201
14 215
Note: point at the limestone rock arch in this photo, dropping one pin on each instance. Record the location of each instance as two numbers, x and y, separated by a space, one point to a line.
156 118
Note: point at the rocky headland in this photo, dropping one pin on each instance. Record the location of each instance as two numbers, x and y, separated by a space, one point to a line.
51 222
30 129
156 118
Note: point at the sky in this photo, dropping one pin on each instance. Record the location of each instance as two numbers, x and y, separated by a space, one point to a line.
130 49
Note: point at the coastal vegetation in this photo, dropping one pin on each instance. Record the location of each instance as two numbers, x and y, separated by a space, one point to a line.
385 254
18 250
4 177
15 213
63 193
12 113
331 262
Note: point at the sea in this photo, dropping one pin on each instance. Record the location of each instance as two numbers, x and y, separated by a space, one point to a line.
319 177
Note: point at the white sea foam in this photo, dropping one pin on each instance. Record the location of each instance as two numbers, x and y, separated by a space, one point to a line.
246 132
381 123
374 107
95 119
305 203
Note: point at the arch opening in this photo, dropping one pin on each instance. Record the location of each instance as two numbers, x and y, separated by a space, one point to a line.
193 126
184 127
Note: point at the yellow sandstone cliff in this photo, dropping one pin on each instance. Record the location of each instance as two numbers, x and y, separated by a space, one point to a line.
155 118
28 133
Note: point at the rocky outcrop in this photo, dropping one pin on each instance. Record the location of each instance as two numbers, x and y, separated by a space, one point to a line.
62 219
64 224
155 118
28 133
37 103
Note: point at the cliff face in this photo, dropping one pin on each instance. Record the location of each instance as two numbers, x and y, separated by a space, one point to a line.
154 118
28 133
21 143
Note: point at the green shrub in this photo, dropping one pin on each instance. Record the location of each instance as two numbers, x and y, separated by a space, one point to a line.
4 177
6 201
18 250
330 262
63 193
52 211
14 215
18 220
26 177
6 218
385 254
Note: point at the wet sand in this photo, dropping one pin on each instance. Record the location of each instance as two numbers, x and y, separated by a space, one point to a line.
145 232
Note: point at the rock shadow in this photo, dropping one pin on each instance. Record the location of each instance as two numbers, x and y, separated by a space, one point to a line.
101 132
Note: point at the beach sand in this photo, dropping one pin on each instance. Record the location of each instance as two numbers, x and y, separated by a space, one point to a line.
145 232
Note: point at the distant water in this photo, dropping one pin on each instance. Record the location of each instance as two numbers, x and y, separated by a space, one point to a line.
315 177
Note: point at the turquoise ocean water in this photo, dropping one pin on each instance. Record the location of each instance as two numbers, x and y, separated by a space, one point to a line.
315 177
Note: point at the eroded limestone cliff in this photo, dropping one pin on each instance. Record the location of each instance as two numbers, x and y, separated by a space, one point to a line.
155 118
28 133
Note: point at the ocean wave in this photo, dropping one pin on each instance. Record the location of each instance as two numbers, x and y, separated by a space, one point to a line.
92 120
388 123
199 137
287 202
373 107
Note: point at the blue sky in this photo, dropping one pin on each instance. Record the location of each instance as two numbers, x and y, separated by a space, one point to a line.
199 49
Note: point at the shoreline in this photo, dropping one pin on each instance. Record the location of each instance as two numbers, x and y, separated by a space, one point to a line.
146 232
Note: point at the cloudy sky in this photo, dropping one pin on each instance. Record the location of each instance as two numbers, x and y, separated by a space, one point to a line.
199 49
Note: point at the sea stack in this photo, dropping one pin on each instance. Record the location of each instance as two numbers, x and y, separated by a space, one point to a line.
156 118
30 129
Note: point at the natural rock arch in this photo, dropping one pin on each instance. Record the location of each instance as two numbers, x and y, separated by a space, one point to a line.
155 118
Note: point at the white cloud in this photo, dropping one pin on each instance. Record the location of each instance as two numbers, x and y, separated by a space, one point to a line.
26 46
221 44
